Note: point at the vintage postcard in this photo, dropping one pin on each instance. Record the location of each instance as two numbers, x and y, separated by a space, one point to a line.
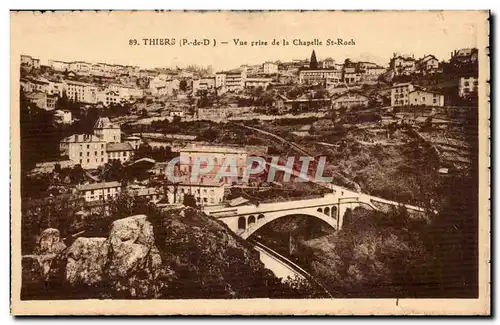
250 163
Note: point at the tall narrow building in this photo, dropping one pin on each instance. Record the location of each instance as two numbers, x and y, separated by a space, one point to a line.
107 131
313 64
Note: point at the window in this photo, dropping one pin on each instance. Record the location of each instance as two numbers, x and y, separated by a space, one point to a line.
102 152
95 153
81 154
466 84
88 161
88 146
205 200
102 159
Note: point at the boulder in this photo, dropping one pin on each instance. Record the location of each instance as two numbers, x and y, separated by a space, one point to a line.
86 259
127 263
50 242
131 240
134 262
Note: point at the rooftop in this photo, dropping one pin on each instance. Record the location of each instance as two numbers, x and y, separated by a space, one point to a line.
212 149
96 186
104 123
82 138
203 181
124 146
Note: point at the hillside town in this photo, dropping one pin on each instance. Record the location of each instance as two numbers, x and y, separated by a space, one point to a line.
97 138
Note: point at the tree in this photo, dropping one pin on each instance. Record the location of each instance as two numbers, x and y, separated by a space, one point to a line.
313 64
189 200
183 85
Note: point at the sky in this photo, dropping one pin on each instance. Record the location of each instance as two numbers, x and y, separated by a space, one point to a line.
105 36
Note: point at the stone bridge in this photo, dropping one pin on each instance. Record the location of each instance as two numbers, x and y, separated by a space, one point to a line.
244 220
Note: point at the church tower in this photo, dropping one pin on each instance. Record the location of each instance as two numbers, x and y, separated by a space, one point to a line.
313 64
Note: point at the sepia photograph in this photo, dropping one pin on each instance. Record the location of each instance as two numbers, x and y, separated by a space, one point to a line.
258 163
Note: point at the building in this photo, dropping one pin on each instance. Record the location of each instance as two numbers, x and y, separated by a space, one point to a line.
38 98
30 62
108 97
304 103
270 68
107 131
464 56
218 155
316 75
220 81
99 191
428 64
55 87
134 141
59 65
419 97
372 73
39 85
399 94
349 100
42 100
81 91
253 82
80 67
63 116
126 93
162 85
230 80
146 193
206 191
467 85
235 80
122 152
403 65
177 112
351 76
328 63
87 150
203 84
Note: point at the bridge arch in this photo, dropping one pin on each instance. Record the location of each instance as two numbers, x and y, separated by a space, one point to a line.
242 223
280 214
327 211
251 220
334 212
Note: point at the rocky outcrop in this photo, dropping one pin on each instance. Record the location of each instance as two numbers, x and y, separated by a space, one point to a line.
86 259
49 242
127 262
134 263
